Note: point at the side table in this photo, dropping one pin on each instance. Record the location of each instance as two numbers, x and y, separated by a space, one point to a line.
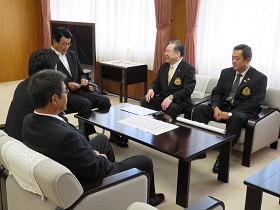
265 180
125 73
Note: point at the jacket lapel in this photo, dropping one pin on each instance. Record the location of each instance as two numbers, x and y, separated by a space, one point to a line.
62 68
245 80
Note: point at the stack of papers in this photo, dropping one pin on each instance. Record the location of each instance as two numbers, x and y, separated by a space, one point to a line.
138 110
148 124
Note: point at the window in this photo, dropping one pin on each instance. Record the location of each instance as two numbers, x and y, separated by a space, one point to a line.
225 24
125 29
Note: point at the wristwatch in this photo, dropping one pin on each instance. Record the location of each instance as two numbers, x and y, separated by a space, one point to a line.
171 97
213 106
229 114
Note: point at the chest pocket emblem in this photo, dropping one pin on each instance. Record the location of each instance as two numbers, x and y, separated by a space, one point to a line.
246 91
178 81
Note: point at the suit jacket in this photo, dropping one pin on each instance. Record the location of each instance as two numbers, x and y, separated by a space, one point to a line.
250 93
75 68
181 85
20 106
65 144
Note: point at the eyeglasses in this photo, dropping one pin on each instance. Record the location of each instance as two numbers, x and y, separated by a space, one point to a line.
65 44
66 91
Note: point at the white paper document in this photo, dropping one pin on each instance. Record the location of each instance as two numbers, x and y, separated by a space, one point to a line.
139 110
201 125
148 124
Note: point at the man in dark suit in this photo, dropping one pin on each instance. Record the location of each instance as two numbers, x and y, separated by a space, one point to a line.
21 104
237 97
171 91
47 133
80 98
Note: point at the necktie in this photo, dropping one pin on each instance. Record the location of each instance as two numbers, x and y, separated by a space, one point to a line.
235 85
170 73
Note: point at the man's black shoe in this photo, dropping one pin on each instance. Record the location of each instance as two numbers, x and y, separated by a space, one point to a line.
202 156
157 199
216 166
119 140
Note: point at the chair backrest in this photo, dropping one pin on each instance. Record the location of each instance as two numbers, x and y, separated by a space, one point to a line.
211 84
272 98
58 185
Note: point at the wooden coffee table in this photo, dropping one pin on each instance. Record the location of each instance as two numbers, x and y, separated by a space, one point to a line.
184 143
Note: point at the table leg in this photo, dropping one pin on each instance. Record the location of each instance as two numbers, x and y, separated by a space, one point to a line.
125 92
86 128
121 92
224 158
145 88
183 183
253 198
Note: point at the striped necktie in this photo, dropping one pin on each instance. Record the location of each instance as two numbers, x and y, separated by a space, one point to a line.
170 73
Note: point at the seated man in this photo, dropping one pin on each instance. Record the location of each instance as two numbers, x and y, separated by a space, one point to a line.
237 97
80 98
47 133
21 104
171 91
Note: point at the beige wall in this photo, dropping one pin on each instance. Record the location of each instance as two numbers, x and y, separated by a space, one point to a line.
20 34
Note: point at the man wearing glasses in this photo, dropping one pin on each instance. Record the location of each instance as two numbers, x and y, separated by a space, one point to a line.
80 99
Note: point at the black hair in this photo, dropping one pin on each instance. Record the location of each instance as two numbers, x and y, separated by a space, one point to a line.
246 50
61 32
43 85
179 46
42 59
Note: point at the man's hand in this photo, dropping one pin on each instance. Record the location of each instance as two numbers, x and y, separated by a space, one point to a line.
84 82
73 85
224 115
166 102
217 113
150 94
97 153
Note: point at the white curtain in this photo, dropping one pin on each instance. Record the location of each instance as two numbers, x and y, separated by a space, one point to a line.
125 29
224 24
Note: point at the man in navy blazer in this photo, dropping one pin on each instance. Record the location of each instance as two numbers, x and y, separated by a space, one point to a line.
46 132
80 98
235 108
171 91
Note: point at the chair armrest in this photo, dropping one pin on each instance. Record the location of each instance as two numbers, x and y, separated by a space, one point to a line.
264 113
257 135
109 182
207 203
112 180
195 102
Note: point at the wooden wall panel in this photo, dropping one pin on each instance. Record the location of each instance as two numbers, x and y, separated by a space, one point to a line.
178 15
21 33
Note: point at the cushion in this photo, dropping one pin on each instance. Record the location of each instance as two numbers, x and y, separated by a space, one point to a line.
200 87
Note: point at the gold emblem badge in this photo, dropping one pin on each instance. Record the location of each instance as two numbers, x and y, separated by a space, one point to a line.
178 81
246 91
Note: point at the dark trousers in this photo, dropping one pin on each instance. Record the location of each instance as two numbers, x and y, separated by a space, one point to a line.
82 101
141 162
173 110
204 113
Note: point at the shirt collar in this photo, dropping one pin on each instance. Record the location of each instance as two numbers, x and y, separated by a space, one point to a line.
49 115
175 65
57 52
243 73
